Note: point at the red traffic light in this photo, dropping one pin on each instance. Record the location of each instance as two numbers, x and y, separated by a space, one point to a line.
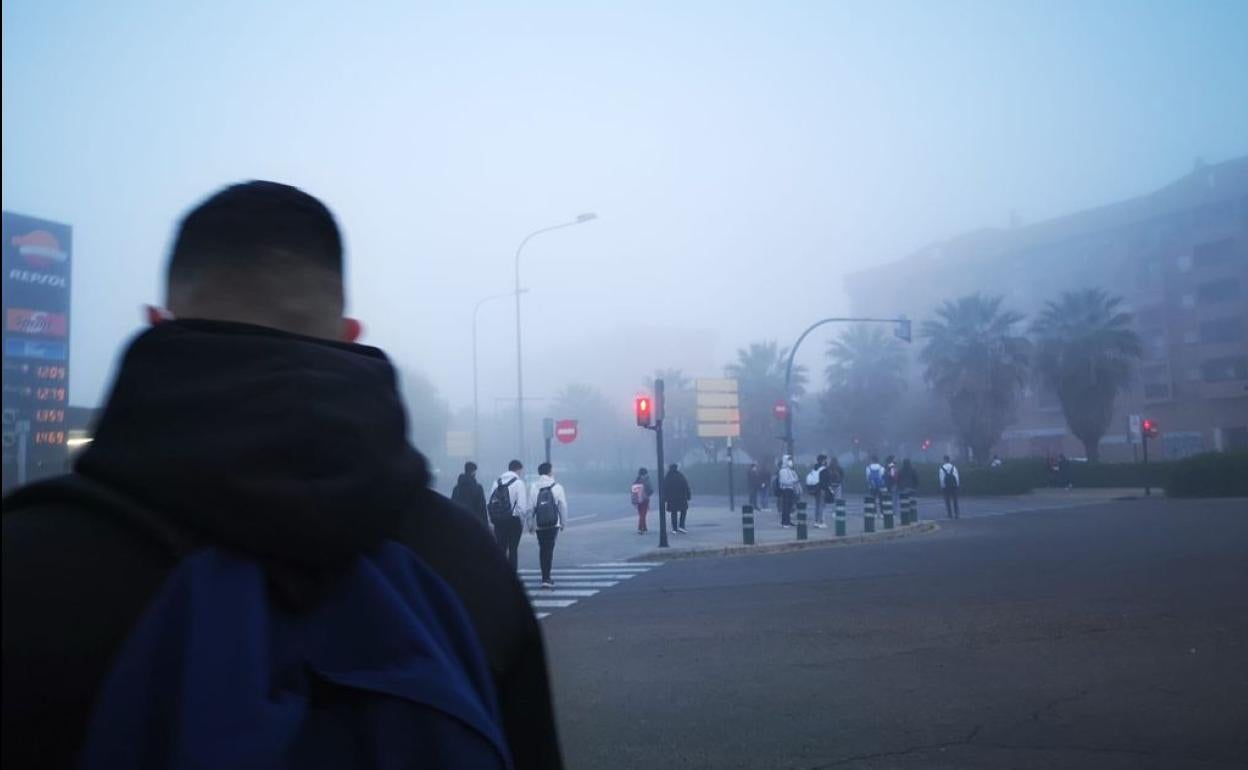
1149 428
644 408
927 444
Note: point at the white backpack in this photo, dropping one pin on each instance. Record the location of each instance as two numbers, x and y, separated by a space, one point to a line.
812 479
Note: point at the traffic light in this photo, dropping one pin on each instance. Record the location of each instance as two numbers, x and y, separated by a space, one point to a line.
644 408
1149 429
927 444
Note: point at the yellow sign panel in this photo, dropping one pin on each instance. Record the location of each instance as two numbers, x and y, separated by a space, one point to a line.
719 429
718 415
725 385
717 400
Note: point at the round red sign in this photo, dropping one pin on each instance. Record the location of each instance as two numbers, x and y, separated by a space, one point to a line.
566 431
781 409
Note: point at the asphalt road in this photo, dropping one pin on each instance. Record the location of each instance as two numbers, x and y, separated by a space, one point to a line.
1111 636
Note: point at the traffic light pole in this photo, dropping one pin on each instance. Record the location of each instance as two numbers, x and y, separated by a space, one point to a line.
658 442
903 332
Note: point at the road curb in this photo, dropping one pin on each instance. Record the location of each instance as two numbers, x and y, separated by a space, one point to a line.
745 550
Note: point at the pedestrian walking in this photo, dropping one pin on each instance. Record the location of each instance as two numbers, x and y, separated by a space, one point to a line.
949 484
816 485
836 479
890 480
250 536
1063 472
790 487
676 495
509 502
877 485
548 517
765 491
469 495
640 494
908 478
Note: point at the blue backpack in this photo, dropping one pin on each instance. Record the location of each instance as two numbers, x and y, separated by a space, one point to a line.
387 672
875 478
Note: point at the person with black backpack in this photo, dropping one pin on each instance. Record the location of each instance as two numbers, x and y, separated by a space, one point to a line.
247 566
469 495
509 502
548 517
949 483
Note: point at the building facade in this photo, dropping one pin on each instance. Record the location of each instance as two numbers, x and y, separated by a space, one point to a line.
1178 257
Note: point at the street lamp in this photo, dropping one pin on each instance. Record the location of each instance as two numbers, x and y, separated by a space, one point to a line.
476 407
581 219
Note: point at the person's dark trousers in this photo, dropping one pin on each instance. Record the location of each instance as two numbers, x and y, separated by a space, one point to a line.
678 517
546 550
951 503
786 507
507 532
754 498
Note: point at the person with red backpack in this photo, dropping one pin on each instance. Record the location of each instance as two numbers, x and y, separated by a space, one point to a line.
639 494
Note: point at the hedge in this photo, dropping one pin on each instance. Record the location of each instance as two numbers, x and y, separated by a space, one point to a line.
1213 474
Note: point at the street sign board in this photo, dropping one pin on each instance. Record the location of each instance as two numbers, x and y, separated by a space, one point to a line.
566 431
1134 428
718 408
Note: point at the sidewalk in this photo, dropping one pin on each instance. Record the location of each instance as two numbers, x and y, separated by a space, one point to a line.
712 528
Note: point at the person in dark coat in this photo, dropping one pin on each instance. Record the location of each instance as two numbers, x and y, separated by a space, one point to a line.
246 419
676 495
469 495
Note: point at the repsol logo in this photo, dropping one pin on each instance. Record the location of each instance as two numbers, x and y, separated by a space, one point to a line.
37 278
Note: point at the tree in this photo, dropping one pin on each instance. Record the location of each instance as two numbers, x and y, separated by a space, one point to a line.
759 371
1085 349
976 361
866 376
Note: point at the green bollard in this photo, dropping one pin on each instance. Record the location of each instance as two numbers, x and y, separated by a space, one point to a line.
801 519
840 517
912 516
887 503
903 515
868 513
747 524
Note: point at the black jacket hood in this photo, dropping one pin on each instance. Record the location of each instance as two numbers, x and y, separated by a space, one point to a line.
287 447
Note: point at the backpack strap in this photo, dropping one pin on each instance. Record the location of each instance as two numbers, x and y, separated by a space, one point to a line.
75 489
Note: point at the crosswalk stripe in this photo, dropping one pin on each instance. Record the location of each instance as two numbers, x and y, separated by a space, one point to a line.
553 602
587 570
541 615
577 576
575 583
629 564
538 593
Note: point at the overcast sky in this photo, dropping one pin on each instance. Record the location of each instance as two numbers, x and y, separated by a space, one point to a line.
741 156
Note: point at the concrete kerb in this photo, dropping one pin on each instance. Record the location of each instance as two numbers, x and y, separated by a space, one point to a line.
799 545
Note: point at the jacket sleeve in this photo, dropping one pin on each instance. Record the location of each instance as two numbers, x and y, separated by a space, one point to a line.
561 503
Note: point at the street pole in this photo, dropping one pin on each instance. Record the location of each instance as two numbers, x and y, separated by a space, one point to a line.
548 432
732 503
902 323
658 441
1148 488
476 395
519 354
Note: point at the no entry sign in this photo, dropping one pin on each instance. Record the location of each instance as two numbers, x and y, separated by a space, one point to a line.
566 431
781 409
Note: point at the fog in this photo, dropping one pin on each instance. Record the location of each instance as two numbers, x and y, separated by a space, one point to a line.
741 158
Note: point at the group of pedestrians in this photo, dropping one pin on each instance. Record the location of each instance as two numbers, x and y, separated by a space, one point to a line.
512 507
676 497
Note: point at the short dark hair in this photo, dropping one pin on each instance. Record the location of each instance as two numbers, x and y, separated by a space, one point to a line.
515 465
259 252
821 459
470 467
544 469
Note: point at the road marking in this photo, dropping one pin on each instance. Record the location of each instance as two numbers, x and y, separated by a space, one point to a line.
557 575
629 564
553 602
538 593
579 518
576 583
541 615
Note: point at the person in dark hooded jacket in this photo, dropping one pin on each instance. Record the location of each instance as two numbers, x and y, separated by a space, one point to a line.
676 496
469 495
247 420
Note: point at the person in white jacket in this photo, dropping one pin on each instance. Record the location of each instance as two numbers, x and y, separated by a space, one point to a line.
547 517
949 483
507 505
790 491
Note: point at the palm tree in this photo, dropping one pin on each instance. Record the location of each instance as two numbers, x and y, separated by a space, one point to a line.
1085 348
866 378
759 371
976 361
